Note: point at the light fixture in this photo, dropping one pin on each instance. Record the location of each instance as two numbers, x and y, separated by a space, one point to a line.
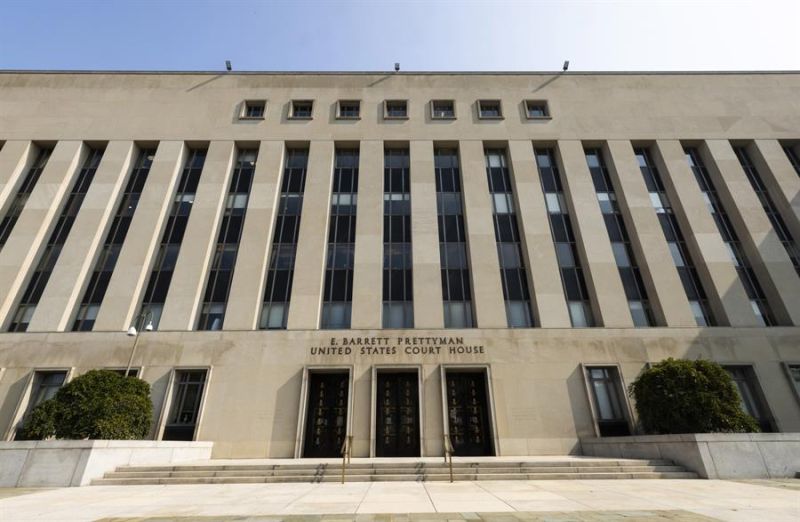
228 65
132 331
149 327
396 66
566 65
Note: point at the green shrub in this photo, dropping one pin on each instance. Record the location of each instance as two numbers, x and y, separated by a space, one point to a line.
99 404
680 396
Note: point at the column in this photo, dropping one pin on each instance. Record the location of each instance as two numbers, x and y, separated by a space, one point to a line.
70 275
427 270
609 302
16 158
781 180
134 264
664 288
21 252
487 288
726 295
760 242
191 269
547 292
368 272
247 288
309 270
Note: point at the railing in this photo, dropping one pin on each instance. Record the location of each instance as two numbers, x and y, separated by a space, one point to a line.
347 447
448 454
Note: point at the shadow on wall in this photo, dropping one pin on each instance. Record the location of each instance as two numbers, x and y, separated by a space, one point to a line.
284 426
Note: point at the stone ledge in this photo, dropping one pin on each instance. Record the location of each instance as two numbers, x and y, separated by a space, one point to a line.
710 455
58 463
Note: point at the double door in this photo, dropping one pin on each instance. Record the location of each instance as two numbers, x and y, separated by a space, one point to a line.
397 415
326 414
468 413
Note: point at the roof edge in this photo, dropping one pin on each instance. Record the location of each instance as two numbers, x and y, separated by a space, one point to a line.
400 73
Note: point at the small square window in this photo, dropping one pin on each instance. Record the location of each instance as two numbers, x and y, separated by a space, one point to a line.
443 110
490 109
536 109
301 109
395 109
348 110
253 110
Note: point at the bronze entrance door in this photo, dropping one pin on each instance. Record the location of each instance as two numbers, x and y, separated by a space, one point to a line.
468 413
326 415
397 416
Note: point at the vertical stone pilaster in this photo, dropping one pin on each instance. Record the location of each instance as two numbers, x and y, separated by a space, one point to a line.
247 288
16 157
609 302
191 270
368 273
759 241
309 270
547 291
427 278
143 239
78 255
487 289
783 183
726 295
664 288
25 244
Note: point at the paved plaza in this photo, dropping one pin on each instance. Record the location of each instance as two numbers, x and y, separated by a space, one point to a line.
553 500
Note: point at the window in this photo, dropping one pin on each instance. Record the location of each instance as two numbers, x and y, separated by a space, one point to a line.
215 300
793 371
44 387
443 110
747 276
456 279
513 273
104 266
608 401
338 290
398 310
58 237
184 412
23 193
536 109
253 109
490 110
395 109
348 109
775 218
301 109
280 271
752 400
155 294
793 157
572 278
629 271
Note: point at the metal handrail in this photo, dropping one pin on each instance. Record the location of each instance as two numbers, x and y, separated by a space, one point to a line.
448 453
347 447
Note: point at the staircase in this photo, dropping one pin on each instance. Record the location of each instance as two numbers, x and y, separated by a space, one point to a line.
370 470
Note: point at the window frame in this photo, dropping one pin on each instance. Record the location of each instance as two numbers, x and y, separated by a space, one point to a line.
339 103
169 393
758 390
479 107
252 103
526 109
292 104
621 387
25 397
433 112
788 372
386 115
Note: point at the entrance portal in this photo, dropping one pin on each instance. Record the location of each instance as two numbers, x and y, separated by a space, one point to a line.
468 413
397 416
326 415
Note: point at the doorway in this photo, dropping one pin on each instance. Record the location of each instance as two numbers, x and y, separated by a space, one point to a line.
397 422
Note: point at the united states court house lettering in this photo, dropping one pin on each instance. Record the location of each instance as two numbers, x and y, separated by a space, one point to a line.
398 258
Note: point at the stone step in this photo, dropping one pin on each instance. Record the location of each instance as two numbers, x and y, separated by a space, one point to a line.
136 473
426 477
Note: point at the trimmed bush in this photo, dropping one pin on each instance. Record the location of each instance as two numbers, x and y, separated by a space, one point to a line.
99 404
680 396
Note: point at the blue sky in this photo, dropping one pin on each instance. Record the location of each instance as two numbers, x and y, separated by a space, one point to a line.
420 34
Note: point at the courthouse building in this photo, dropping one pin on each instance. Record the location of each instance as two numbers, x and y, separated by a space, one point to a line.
398 257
